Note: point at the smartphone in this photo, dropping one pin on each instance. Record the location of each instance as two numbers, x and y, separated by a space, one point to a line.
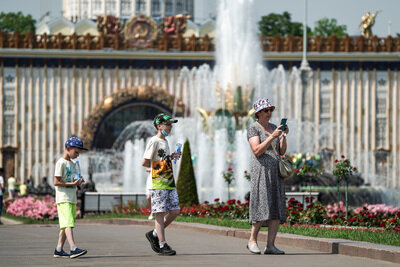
283 123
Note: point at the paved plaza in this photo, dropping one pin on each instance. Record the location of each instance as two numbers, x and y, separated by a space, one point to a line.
126 245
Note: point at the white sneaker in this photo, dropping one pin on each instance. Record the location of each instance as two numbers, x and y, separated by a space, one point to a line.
253 248
273 250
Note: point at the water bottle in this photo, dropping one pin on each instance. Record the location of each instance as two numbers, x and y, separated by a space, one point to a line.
178 148
78 170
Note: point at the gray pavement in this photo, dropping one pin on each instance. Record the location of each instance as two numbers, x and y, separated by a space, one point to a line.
126 245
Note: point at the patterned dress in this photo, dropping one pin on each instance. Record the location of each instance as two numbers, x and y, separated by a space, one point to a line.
267 192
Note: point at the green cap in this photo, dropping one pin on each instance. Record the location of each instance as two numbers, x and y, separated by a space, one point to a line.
163 118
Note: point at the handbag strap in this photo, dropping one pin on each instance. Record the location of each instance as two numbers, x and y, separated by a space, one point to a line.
273 147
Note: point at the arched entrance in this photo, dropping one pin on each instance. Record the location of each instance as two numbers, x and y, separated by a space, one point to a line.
109 118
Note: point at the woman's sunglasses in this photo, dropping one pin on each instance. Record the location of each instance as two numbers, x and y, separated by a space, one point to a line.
266 110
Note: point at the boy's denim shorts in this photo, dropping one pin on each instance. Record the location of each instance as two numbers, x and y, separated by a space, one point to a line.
66 214
163 200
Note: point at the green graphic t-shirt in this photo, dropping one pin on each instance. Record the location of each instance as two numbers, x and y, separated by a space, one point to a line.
157 151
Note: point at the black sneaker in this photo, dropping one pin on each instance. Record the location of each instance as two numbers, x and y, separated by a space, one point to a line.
167 251
77 253
153 241
61 254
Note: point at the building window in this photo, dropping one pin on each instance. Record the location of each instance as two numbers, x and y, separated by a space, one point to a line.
111 7
8 103
179 7
141 7
189 7
97 5
8 130
325 106
380 132
169 8
126 6
84 9
381 106
155 8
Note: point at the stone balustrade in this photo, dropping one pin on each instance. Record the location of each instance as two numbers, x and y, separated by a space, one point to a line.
197 44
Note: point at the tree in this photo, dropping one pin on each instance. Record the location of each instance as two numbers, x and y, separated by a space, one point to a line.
186 185
280 24
11 22
328 27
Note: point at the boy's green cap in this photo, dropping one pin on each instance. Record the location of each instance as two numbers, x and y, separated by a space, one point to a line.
163 118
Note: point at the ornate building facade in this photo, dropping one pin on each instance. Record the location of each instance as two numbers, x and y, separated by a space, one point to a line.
52 87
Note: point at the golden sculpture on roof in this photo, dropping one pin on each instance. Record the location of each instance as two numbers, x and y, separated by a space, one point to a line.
367 21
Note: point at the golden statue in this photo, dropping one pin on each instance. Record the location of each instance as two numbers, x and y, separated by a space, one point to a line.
367 21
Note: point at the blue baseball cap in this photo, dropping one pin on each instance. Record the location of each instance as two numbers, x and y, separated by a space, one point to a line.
75 142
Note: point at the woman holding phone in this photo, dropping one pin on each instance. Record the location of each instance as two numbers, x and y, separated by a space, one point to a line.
267 193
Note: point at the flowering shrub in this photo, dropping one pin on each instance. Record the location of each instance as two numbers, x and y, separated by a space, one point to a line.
33 207
314 213
294 211
228 176
343 168
336 213
307 164
131 208
247 176
309 167
232 209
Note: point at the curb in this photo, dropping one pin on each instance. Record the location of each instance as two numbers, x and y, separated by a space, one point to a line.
333 246
7 221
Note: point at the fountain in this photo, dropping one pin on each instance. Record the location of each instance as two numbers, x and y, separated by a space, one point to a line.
217 105
218 101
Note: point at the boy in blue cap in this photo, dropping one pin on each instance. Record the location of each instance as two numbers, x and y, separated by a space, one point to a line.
66 180
164 197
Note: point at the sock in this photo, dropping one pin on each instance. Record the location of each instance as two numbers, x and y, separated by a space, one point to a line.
59 249
73 248
154 233
162 244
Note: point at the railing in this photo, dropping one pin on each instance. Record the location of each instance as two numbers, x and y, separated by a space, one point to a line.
103 202
101 42
197 44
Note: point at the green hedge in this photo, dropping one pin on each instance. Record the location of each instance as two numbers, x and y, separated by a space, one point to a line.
186 184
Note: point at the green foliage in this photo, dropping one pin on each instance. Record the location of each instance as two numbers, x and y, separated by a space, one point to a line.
247 176
281 24
11 22
308 165
186 185
343 168
315 213
228 176
328 27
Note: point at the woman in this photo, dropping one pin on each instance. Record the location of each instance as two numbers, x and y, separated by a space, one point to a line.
267 193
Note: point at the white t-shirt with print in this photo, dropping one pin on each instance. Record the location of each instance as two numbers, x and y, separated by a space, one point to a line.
157 151
66 170
1 183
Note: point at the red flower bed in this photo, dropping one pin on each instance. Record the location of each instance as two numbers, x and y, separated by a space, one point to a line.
314 213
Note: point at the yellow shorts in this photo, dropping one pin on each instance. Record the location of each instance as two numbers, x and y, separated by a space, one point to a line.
66 214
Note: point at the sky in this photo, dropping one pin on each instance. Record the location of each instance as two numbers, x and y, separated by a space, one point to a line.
347 12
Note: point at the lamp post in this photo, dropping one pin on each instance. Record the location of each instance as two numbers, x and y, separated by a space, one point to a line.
305 75
304 62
